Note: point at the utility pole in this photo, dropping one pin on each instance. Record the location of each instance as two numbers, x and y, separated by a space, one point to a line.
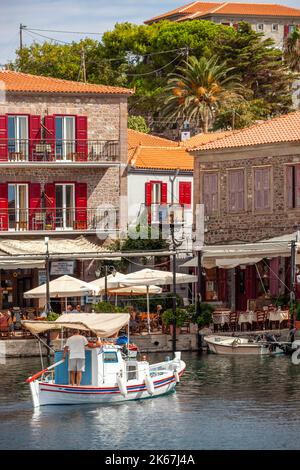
22 26
82 65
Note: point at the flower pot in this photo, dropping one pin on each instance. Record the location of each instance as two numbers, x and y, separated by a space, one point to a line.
297 324
178 330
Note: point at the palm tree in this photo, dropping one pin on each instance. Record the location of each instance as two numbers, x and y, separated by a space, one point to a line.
292 51
199 89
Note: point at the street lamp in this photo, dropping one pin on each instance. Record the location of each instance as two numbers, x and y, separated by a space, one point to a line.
107 269
47 266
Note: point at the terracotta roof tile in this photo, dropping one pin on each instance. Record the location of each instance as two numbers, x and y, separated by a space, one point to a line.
23 82
284 128
146 151
136 138
202 9
163 158
201 139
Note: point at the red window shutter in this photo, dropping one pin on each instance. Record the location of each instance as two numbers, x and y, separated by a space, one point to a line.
164 193
3 206
274 274
185 193
34 203
286 31
181 192
148 198
50 203
289 186
81 137
3 138
81 205
34 133
49 123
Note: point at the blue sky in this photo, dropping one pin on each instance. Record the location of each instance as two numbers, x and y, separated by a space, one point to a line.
78 15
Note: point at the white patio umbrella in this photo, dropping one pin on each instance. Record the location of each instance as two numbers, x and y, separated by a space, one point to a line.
134 290
149 277
64 286
112 280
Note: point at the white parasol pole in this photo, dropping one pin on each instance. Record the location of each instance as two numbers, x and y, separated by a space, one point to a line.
148 310
66 304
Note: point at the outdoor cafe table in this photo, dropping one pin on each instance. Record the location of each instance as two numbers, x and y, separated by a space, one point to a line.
220 317
279 315
247 317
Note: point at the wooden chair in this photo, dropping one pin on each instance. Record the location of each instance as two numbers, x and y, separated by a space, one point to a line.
186 327
260 323
233 321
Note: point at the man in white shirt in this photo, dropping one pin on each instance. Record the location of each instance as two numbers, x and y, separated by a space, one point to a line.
76 345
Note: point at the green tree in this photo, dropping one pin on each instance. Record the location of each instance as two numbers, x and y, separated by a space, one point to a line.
259 64
142 56
292 51
199 89
138 123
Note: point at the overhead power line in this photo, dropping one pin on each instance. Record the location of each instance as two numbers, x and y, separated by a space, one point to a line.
61 31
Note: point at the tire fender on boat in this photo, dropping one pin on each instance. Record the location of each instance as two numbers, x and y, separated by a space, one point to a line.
121 381
176 375
149 385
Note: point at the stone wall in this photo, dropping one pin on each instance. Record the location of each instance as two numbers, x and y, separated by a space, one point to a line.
107 120
248 225
102 183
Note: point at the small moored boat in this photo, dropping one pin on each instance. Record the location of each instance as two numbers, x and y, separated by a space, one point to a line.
109 375
234 345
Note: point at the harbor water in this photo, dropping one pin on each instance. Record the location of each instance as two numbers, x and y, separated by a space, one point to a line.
221 403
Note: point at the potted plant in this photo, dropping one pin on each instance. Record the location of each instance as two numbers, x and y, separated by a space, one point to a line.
203 317
297 316
180 317
54 334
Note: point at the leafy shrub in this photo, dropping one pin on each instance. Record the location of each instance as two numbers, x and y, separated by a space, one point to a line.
180 317
52 316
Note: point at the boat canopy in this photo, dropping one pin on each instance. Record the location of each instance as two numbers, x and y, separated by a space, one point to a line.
103 325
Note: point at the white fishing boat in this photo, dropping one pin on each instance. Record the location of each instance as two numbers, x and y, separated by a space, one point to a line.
109 375
234 345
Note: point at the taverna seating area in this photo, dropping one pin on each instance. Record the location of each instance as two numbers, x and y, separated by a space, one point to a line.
267 317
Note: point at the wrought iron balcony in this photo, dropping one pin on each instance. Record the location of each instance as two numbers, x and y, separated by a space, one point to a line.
56 150
59 219
163 213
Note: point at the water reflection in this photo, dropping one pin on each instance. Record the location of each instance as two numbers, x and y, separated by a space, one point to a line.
221 403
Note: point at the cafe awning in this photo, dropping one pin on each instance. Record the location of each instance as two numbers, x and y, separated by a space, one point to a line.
232 255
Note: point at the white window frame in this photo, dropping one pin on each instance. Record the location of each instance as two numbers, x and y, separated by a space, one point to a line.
66 147
19 146
17 206
275 27
63 225
258 27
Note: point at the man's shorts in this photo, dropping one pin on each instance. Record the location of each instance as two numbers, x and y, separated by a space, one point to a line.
76 365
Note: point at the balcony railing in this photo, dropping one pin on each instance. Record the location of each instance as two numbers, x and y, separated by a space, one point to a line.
59 219
57 150
163 213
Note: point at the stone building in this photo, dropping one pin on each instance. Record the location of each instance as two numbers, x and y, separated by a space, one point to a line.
249 183
63 155
274 21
